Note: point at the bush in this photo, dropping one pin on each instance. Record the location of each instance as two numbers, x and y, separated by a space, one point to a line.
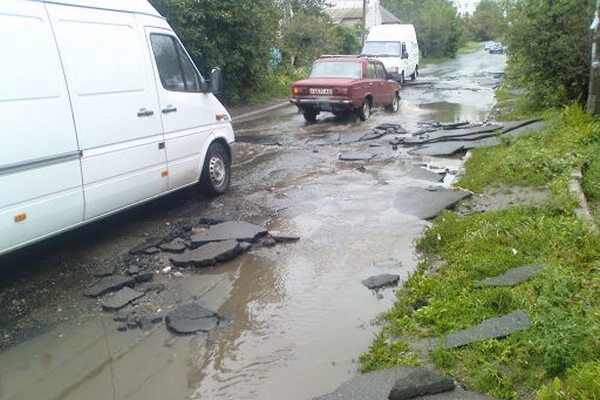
549 44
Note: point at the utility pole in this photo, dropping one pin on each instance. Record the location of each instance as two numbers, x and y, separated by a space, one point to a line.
364 21
594 90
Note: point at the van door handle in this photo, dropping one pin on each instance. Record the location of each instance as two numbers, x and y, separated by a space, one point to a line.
169 109
145 113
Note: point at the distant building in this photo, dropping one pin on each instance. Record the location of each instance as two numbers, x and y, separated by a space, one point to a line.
466 7
349 12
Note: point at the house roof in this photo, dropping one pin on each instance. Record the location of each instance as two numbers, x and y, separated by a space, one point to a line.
345 14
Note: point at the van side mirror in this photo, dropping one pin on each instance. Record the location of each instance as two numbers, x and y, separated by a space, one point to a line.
405 56
215 83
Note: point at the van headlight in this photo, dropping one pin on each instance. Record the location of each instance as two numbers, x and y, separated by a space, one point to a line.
393 70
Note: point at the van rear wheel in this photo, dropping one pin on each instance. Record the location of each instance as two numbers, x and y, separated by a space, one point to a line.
216 174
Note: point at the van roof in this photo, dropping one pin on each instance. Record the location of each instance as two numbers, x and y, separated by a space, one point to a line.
133 6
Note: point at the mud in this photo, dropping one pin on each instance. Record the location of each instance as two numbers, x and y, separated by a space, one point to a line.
299 313
493 199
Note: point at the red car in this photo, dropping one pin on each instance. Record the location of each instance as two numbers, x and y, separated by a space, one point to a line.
345 83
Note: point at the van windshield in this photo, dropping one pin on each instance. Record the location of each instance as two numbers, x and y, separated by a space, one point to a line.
336 69
382 49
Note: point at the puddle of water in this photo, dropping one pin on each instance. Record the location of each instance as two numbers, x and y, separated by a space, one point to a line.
454 112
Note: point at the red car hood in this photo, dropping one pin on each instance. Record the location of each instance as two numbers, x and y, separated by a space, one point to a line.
326 82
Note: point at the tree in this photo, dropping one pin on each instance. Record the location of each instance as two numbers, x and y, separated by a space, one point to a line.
438 26
303 38
487 22
548 43
237 35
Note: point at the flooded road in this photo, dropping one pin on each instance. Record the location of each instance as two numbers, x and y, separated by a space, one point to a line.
300 315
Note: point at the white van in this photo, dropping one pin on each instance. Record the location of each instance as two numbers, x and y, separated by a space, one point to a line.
396 46
101 108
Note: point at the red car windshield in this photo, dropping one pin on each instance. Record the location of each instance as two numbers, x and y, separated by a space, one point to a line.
336 69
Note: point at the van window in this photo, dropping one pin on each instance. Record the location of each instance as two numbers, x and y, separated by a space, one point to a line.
176 70
371 71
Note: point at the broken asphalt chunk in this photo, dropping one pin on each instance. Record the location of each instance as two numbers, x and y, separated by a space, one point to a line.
378 281
426 204
231 230
104 270
208 254
439 149
424 174
420 382
120 298
108 284
377 385
190 318
492 328
356 156
511 277
176 245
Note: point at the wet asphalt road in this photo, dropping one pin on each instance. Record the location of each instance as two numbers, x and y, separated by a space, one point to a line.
300 315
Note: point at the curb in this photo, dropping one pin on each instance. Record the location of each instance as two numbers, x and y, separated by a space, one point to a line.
256 113
583 211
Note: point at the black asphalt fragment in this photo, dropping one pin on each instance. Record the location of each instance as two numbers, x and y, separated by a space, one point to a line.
120 298
208 254
489 329
440 149
177 245
230 230
108 284
424 174
379 281
420 382
190 318
356 156
511 277
378 385
426 204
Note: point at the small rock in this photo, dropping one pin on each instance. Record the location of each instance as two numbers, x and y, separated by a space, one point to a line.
166 270
420 382
150 319
190 318
122 327
120 299
144 277
382 280
176 245
132 323
108 284
133 270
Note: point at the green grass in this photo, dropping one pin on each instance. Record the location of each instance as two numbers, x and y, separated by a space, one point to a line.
559 356
274 86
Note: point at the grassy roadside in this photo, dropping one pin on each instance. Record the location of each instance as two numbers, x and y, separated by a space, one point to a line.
559 356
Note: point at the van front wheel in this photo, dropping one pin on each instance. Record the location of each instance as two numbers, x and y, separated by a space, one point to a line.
216 173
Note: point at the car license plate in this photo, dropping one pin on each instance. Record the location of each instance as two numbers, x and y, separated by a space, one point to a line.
320 91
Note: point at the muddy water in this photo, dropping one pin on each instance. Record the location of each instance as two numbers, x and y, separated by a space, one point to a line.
300 316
